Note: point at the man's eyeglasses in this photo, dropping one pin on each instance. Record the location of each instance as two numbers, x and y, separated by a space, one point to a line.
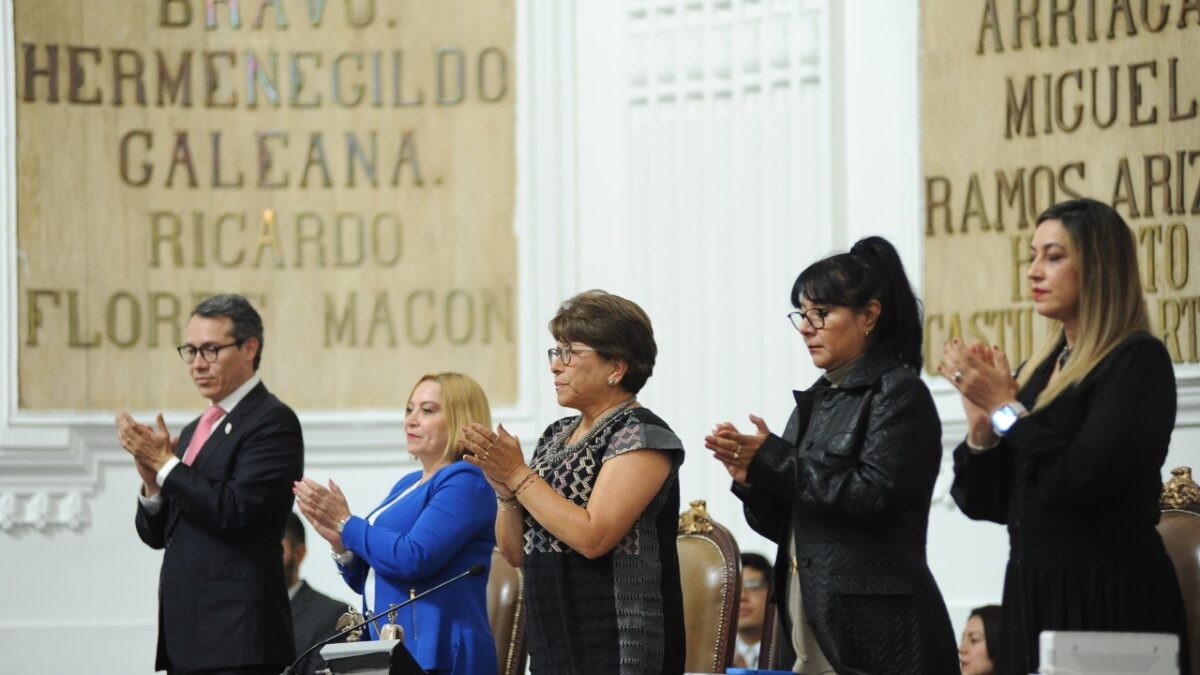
565 353
207 352
754 584
815 318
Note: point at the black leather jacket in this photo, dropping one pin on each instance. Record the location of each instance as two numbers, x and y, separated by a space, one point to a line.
852 478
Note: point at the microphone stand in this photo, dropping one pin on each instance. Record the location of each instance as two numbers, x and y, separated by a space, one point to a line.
472 571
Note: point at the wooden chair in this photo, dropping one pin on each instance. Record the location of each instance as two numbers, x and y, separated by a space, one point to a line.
1179 527
711 575
506 614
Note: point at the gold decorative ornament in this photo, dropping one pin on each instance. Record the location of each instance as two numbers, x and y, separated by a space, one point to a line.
696 519
391 630
1181 492
350 618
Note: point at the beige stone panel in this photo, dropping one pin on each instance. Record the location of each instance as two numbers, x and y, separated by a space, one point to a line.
375 236
976 242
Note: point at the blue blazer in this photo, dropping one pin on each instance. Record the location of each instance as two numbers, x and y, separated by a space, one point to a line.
438 531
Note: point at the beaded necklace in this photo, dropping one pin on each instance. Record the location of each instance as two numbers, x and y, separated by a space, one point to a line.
559 442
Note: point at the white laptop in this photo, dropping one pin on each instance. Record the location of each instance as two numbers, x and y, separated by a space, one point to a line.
1095 653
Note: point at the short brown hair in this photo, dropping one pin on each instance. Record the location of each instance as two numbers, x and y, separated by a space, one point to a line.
615 327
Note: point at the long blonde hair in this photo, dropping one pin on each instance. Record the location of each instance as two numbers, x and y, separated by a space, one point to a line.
463 402
1111 304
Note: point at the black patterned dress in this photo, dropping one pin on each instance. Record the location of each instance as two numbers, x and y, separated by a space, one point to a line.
621 613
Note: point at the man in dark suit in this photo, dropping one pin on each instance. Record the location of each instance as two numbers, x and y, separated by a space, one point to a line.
314 615
216 500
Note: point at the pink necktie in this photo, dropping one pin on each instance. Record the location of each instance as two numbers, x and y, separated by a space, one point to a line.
203 431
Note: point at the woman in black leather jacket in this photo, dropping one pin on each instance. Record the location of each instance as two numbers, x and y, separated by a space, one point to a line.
845 491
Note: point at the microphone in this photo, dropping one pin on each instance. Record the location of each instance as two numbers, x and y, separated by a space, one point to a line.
472 571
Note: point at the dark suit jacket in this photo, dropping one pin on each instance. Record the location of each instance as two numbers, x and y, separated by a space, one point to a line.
222 599
314 616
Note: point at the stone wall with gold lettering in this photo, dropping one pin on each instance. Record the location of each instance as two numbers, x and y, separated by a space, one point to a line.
347 164
1028 103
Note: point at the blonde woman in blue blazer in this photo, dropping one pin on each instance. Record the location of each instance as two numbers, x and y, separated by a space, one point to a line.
434 524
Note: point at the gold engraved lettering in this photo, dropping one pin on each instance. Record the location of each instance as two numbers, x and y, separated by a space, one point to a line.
219 238
381 318
310 229
147 172
75 325
165 228
77 76
410 317
171 315
130 319
268 237
352 224
36 319
341 330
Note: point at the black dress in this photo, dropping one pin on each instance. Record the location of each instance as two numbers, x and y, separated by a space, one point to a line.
621 613
1078 484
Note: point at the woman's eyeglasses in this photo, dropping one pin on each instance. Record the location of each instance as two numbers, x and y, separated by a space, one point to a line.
564 353
815 318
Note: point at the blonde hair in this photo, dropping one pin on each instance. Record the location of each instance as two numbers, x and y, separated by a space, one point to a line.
463 402
1111 304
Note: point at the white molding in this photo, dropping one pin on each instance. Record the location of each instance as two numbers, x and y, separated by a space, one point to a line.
50 461
43 511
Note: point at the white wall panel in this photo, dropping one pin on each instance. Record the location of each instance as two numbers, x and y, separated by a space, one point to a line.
718 128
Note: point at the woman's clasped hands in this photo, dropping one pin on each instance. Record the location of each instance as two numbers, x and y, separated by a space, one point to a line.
497 453
734 449
982 375
324 507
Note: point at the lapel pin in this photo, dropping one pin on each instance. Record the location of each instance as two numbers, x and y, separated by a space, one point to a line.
228 427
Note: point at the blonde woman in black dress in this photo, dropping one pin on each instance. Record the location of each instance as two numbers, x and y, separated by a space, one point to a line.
1069 454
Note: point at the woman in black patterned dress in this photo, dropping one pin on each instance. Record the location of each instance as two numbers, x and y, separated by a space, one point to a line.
592 518
1069 455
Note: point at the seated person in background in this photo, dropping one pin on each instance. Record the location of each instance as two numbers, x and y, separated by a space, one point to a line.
979 641
436 523
314 615
755 577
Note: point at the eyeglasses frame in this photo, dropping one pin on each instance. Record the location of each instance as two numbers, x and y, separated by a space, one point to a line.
199 351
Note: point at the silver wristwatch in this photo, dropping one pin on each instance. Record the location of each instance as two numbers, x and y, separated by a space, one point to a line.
1006 416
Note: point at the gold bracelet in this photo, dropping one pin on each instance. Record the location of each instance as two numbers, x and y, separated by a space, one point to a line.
525 483
506 503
